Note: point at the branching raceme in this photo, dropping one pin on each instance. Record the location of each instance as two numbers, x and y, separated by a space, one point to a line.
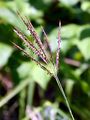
41 52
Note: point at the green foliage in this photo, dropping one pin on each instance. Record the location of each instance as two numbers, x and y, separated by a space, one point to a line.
5 53
34 72
32 85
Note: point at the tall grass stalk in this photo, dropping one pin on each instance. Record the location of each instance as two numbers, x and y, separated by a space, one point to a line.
42 53
63 93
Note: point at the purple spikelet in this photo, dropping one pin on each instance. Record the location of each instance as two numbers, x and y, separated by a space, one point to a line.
58 49
29 44
34 34
37 62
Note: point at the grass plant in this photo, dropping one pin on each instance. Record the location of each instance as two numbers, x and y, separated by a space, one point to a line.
42 53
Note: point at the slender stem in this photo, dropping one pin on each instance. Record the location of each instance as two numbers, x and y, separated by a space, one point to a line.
31 88
22 103
63 93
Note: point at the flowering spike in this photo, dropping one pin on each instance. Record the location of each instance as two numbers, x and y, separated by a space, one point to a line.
29 44
37 62
58 49
24 21
34 34
36 37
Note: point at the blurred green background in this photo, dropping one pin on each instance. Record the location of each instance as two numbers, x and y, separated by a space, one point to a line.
23 85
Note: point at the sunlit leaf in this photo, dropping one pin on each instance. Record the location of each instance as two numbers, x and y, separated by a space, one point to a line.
84 46
85 6
53 39
33 72
69 87
70 30
69 2
5 53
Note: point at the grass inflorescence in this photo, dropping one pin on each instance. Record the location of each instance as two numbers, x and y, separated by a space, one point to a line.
41 52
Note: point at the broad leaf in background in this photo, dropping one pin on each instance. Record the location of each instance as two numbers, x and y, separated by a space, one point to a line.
8 16
69 37
33 72
69 31
23 7
84 46
84 32
85 6
69 2
5 53
53 39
